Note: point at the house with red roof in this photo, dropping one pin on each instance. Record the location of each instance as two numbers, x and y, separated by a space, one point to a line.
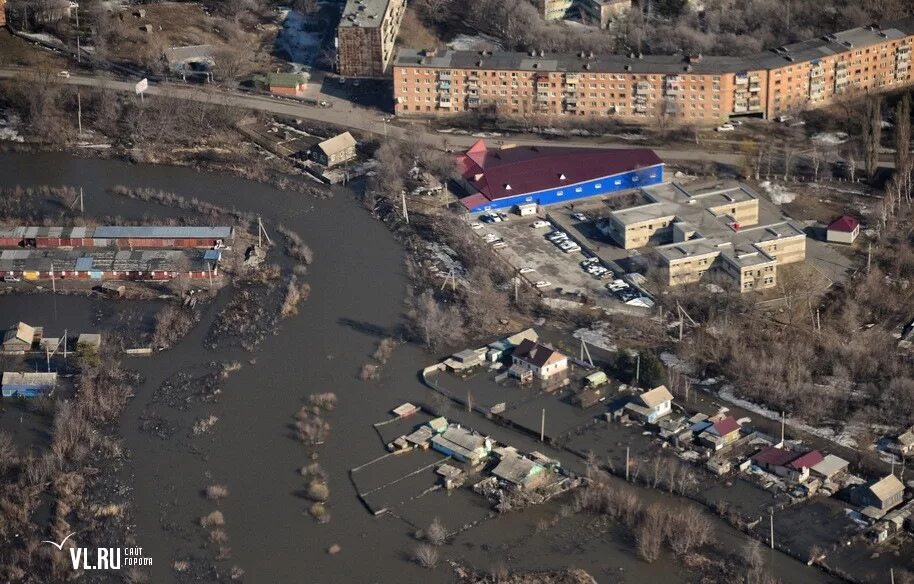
503 178
719 431
542 361
844 229
786 462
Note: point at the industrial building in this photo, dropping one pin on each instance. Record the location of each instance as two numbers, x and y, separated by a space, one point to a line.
131 237
365 36
544 175
144 265
645 88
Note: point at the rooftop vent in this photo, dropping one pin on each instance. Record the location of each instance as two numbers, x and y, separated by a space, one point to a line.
542 53
479 63
532 53
694 58
590 55
582 54
688 68
562 176
587 65
628 67
507 187
478 176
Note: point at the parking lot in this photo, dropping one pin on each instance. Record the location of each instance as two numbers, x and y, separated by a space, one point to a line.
525 243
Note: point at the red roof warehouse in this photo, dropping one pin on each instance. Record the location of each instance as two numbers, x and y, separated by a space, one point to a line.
498 178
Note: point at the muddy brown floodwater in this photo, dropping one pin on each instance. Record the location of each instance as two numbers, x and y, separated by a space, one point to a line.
357 285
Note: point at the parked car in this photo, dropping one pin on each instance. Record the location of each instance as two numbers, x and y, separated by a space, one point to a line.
543 284
10 279
476 225
540 224
64 74
579 216
617 285
557 236
499 244
588 261
784 118
725 128
736 122
490 238
526 270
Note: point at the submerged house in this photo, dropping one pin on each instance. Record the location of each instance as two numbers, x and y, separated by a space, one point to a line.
718 431
788 463
17 384
519 471
883 494
19 338
540 360
463 445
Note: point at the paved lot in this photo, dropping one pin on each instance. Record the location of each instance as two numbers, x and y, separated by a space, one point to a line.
528 247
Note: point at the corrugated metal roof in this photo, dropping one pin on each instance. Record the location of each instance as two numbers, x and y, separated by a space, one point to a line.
78 232
107 231
83 264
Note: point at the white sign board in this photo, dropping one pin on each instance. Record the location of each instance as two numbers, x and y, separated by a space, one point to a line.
142 85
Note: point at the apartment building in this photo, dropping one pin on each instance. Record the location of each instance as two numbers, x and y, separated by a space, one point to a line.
366 35
2 13
590 11
642 88
555 9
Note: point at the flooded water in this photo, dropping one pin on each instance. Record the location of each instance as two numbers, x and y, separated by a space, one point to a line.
357 285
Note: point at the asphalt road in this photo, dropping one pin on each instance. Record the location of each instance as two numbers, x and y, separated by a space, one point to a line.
342 113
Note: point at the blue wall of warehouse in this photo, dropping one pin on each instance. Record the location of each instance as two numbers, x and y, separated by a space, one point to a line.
642 177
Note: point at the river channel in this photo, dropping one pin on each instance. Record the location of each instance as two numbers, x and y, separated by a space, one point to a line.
357 285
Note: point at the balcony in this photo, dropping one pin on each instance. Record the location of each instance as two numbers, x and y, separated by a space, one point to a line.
572 90
817 72
642 89
571 99
755 88
473 102
444 85
741 80
903 50
444 102
542 97
444 75
571 79
473 77
740 109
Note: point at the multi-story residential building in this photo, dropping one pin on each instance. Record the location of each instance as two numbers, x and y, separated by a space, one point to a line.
603 12
365 36
2 12
708 231
636 88
555 9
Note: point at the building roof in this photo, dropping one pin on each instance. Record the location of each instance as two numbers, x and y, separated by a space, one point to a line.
163 232
364 13
516 469
656 396
461 441
774 456
188 54
337 144
93 339
102 260
585 63
806 460
536 354
509 172
25 333
28 379
906 438
293 80
844 223
724 426
887 487
830 465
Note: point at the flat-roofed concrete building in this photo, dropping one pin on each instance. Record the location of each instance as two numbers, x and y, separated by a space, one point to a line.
366 35
645 88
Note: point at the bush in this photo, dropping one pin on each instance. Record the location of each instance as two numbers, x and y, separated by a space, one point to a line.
426 556
318 490
436 534
319 512
325 401
216 492
212 520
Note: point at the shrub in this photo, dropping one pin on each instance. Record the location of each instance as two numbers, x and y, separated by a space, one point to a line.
325 401
216 492
436 534
319 512
212 520
318 490
426 555
218 536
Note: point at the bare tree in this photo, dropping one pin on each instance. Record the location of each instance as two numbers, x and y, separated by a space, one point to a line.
435 323
872 135
903 133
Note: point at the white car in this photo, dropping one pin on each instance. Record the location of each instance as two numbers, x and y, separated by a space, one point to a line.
476 225
543 284
540 224
526 270
589 261
64 74
725 128
499 245
579 216
557 236
490 237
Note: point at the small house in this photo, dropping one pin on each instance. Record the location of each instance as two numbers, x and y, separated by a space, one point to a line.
588 397
652 405
463 445
465 359
595 379
883 494
19 338
437 425
289 84
542 361
831 468
844 229
525 335
16 384
405 410
719 431
191 61
335 151
788 463
519 471
903 444
420 437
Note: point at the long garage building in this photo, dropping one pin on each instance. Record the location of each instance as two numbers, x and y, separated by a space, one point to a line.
503 178
131 237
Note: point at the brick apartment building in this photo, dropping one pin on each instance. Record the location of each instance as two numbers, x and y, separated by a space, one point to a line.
365 36
2 12
636 88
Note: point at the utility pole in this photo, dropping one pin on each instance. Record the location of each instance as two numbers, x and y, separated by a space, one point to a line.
82 208
64 344
626 463
543 426
772 527
78 50
638 371
209 270
783 426
53 280
79 111
586 352
405 212
47 354
869 256
516 283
